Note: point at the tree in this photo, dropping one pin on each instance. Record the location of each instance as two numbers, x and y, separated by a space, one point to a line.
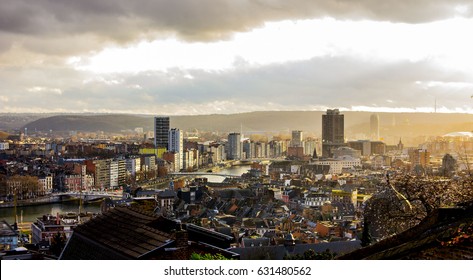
404 201
208 256
366 235
449 165
312 255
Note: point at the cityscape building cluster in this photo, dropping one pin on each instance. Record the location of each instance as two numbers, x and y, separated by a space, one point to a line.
297 194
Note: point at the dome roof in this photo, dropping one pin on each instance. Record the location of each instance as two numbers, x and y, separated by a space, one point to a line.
459 134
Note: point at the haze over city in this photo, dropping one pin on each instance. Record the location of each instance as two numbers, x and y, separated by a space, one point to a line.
187 58
249 131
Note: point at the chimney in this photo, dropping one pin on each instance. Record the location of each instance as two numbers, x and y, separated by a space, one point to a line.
182 239
182 245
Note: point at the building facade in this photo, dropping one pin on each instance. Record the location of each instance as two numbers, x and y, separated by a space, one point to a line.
234 146
176 140
4 146
161 132
296 138
333 135
337 165
8 237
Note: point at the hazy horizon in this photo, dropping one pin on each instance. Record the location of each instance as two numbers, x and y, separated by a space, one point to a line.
223 113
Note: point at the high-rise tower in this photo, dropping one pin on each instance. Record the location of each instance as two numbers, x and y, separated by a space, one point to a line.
374 127
296 138
234 146
176 140
333 135
161 132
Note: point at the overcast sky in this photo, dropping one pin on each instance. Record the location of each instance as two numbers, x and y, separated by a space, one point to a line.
226 56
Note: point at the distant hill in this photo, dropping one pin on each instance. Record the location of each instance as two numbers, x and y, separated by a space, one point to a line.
392 125
3 135
14 121
106 123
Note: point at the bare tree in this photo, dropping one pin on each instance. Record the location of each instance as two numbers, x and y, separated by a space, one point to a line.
407 200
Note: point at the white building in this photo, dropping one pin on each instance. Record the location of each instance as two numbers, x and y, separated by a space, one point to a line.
114 174
45 184
346 151
4 146
133 165
150 163
117 173
316 199
217 152
176 139
337 165
309 146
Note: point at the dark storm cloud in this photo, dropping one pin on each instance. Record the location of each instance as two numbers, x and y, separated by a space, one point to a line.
126 20
321 82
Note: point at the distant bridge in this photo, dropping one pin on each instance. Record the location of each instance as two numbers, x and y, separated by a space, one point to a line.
89 195
202 174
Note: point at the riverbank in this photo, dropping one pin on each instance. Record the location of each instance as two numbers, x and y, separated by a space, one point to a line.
37 201
32 212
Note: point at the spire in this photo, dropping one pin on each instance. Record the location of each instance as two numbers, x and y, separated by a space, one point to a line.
400 146
314 154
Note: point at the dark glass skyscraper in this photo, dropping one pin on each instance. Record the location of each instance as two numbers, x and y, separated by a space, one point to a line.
161 132
333 135
234 146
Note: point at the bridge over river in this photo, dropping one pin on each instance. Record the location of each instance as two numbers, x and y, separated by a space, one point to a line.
203 174
87 196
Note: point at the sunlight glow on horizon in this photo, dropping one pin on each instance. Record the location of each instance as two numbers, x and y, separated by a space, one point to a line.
287 41
228 108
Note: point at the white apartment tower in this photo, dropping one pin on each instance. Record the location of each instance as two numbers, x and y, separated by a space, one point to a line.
296 138
176 140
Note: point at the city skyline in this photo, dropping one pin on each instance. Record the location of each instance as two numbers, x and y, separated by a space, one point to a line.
221 57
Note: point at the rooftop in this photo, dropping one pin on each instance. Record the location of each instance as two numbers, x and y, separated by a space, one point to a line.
6 229
121 233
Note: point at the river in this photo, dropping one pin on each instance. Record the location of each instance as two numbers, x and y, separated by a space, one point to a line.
30 213
234 170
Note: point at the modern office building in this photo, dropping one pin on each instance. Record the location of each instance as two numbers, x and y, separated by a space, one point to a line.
296 138
333 135
310 145
101 171
161 132
234 149
419 157
374 127
368 147
117 173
